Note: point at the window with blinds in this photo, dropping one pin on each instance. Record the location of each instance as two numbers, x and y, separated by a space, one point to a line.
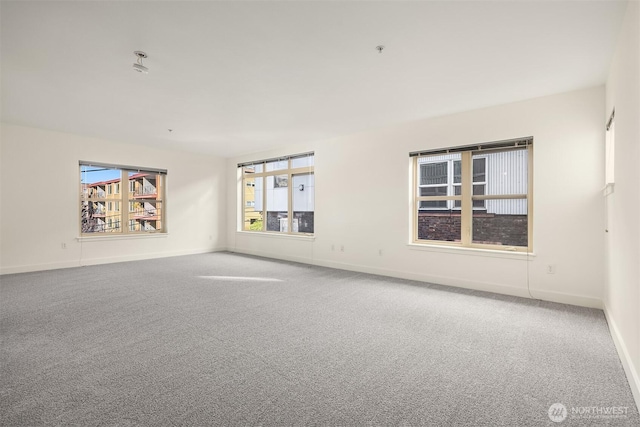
103 194
475 196
278 195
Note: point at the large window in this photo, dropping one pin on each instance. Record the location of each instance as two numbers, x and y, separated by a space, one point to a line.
477 196
102 196
278 194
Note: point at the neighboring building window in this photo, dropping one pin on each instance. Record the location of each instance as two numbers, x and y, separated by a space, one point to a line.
101 198
278 194
477 196
441 175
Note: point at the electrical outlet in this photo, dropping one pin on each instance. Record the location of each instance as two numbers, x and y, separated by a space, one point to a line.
64 245
551 269
380 252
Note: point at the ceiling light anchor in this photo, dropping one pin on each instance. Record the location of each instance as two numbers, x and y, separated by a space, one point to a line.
379 48
138 64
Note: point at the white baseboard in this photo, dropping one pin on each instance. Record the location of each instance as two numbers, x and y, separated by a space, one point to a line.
303 260
564 298
143 256
38 267
440 280
633 376
105 260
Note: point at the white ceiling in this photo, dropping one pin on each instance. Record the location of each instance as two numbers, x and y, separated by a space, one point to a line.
237 77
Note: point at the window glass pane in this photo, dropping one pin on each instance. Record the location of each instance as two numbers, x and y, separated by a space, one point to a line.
147 215
277 165
145 203
303 197
433 191
505 172
478 190
95 180
302 161
144 184
99 210
479 169
439 226
257 168
435 204
277 203
505 222
457 172
253 204
433 173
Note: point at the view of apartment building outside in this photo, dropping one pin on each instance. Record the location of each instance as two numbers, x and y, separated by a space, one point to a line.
109 207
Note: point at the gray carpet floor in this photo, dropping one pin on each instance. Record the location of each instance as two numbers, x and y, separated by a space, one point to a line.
225 339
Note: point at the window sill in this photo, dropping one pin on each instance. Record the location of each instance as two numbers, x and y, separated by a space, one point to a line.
122 237
471 251
277 235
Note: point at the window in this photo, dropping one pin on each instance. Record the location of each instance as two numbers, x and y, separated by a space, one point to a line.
477 196
278 195
610 145
101 196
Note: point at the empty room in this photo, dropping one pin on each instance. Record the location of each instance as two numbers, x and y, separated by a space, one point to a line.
336 213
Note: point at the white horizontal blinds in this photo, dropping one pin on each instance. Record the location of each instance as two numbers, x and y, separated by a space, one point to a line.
137 169
274 161
610 121
487 146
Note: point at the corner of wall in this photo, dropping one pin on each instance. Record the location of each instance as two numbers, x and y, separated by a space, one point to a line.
633 376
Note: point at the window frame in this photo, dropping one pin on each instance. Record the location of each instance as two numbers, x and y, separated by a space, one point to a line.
467 197
276 171
112 201
609 151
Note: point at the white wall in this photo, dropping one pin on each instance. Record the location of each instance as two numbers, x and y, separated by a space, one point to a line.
622 293
363 201
39 207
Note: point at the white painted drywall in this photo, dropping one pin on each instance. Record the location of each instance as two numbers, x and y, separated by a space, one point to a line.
622 293
40 201
363 201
